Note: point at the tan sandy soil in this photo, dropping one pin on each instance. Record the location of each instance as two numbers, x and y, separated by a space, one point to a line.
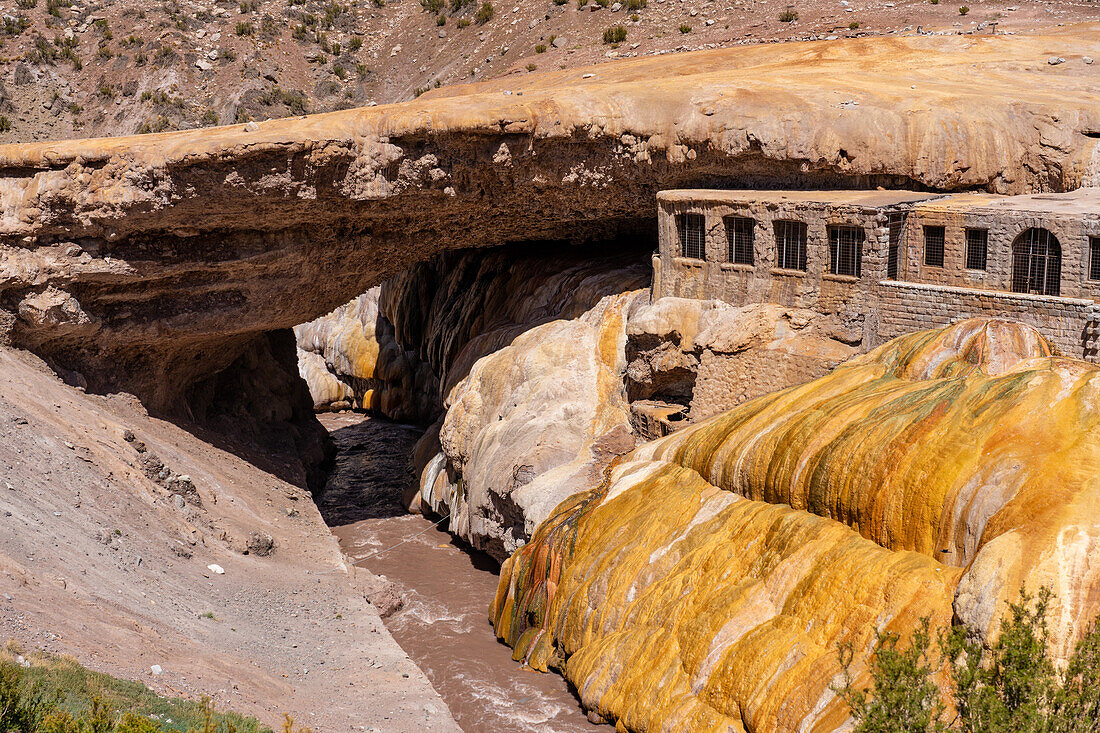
101 562
172 65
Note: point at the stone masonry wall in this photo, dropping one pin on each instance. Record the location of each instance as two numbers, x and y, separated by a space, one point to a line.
1069 323
1072 232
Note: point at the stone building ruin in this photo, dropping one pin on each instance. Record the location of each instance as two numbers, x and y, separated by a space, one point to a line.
886 263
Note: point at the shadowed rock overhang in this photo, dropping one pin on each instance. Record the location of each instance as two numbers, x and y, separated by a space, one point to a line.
173 251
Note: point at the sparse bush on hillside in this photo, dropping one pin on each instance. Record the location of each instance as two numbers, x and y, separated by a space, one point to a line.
432 6
540 48
531 67
53 7
245 29
963 10
441 20
340 71
635 4
1010 688
788 16
484 13
355 44
463 23
603 3
685 28
13 26
853 26
581 3
26 4
560 2
614 35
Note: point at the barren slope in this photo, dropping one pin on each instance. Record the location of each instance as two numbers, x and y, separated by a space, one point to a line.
108 562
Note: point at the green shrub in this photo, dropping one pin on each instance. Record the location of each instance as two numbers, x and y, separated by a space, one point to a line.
635 4
355 44
1012 687
5 123
463 23
853 26
685 28
788 16
26 4
531 67
245 29
963 10
441 20
484 13
615 34
540 48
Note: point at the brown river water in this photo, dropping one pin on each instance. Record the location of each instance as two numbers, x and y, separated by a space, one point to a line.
444 625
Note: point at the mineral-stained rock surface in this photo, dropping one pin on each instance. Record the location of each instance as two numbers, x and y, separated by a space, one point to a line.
697 585
540 418
157 259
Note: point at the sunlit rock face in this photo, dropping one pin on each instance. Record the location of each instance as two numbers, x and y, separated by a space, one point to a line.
539 419
707 581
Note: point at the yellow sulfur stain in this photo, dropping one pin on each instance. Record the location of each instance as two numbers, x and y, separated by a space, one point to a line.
707 582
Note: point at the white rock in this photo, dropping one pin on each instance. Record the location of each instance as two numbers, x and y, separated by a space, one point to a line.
204 64
155 669
1086 59
1055 60
251 127
216 569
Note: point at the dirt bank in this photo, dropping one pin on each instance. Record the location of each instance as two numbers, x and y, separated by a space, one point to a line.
109 520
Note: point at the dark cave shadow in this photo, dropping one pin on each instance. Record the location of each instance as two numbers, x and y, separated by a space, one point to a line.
370 472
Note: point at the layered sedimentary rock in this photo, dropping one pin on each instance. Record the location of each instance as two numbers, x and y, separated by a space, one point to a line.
156 260
699 583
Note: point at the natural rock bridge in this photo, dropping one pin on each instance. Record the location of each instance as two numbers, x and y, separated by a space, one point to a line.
153 262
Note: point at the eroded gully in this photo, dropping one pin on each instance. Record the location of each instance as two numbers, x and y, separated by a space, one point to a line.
447 587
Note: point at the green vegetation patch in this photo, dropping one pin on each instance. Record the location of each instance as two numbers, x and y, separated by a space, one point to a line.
58 695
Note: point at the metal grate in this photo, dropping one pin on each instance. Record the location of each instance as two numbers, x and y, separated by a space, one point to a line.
897 228
692 230
934 237
1036 263
977 248
1094 258
790 243
739 233
845 250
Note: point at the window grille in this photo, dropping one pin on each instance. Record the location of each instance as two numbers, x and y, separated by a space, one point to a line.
933 246
692 230
897 228
739 233
977 248
790 243
1036 263
1094 258
845 250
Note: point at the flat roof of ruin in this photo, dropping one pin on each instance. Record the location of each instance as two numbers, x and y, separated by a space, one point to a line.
876 199
1081 201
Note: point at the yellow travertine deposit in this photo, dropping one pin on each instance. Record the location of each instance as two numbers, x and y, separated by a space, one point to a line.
709 580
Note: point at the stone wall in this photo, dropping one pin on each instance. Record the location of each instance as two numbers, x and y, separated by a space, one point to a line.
1072 230
1069 323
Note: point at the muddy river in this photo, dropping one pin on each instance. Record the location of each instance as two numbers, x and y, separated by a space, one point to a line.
444 624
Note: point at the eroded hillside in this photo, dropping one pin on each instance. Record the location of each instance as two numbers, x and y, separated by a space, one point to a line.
74 68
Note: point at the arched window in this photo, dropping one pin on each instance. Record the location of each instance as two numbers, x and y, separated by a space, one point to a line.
1036 263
